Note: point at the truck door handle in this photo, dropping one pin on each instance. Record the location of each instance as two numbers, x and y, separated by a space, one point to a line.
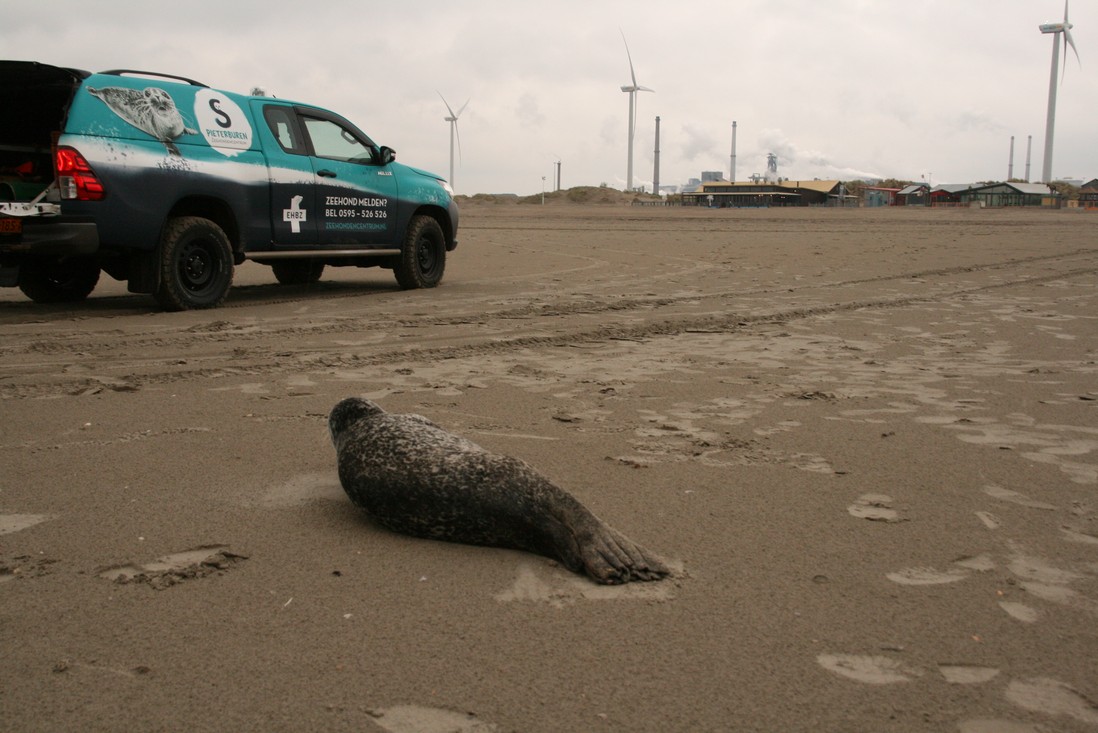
326 173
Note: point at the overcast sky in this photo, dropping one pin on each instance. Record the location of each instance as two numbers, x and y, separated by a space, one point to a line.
838 89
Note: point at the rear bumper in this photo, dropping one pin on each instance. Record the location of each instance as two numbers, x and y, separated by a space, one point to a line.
51 238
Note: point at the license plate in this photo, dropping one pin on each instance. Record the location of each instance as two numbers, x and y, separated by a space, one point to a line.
11 226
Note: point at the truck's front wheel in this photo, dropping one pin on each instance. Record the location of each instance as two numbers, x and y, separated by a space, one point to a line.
58 281
423 257
196 264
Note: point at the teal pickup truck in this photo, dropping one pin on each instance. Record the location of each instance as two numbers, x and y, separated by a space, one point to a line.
168 184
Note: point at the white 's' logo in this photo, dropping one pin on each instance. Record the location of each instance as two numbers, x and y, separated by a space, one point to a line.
222 122
295 214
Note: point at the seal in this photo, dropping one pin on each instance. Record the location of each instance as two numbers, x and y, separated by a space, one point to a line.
415 478
150 110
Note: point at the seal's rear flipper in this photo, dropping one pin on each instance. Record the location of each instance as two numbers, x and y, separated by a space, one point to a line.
611 558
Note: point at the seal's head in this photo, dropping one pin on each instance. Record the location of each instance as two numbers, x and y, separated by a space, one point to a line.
347 413
159 100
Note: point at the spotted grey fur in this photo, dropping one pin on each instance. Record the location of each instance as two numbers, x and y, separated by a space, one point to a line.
413 477
150 110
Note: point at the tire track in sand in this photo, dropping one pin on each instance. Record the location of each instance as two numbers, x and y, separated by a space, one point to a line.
585 323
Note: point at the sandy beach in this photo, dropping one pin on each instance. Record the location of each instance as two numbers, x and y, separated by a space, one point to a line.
867 441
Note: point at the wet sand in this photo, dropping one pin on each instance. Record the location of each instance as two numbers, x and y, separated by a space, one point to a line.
867 440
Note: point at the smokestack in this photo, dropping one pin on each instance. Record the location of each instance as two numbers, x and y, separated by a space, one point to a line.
656 171
1029 149
1010 166
732 166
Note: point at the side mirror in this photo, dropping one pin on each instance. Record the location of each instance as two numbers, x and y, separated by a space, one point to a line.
387 155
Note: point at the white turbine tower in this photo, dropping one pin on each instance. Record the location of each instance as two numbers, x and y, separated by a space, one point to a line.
1050 121
453 120
631 90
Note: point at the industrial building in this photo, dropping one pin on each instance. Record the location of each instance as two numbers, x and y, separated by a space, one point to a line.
1088 194
1008 194
749 194
762 193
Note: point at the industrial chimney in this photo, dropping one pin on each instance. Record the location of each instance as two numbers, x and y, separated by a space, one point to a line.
732 163
656 169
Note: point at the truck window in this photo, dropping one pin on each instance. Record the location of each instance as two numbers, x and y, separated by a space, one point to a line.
336 142
283 124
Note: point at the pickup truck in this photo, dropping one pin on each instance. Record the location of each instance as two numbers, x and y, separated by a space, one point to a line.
168 184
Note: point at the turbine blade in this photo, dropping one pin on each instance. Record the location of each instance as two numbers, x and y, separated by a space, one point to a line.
645 89
462 108
628 56
1065 13
445 102
635 106
457 131
1071 42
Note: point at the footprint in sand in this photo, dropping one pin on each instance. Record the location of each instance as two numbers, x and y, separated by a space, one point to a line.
1082 526
990 520
967 674
1013 497
927 576
1078 534
988 725
872 670
418 719
17 522
1020 611
1047 583
1039 694
930 576
1052 697
171 569
875 507
558 588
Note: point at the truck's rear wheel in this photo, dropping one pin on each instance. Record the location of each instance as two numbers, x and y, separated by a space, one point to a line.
196 264
58 281
297 272
423 257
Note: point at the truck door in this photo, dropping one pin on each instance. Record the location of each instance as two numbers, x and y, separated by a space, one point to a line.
356 195
294 210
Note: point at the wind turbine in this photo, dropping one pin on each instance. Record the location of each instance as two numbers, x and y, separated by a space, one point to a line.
1050 121
453 120
631 90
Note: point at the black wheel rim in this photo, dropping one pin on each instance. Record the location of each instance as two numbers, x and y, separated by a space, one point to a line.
197 266
427 255
66 277
67 281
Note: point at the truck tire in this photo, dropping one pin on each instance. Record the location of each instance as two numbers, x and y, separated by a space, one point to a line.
196 264
297 272
423 256
58 281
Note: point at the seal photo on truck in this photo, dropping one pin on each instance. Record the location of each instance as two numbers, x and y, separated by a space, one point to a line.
168 184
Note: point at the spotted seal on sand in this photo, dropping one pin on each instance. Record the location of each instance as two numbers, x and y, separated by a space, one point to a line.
150 110
413 477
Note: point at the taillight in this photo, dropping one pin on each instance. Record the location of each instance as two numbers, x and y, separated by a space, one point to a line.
75 177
